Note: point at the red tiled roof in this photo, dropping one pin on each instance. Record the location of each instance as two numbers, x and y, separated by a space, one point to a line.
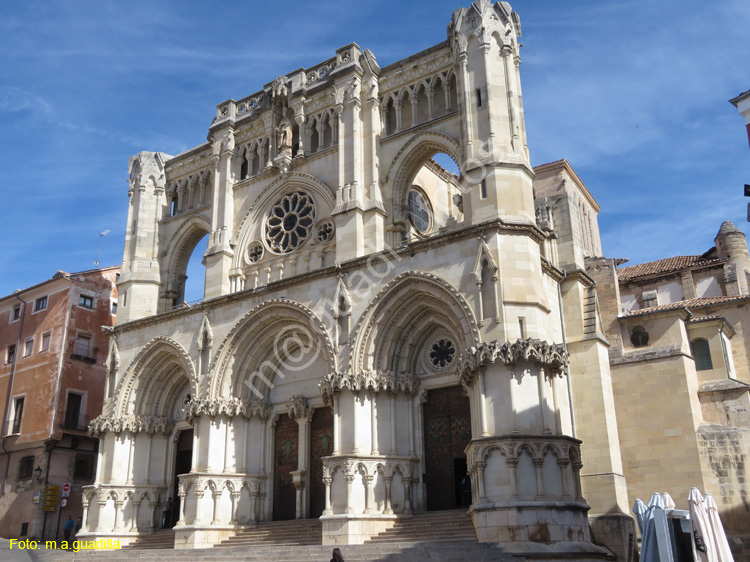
689 304
669 265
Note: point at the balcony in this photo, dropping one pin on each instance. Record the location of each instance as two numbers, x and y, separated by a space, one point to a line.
75 421
84 352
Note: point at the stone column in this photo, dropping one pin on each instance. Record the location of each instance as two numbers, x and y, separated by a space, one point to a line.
183 508
327 482
480 481
102 507
146 478
216 496
482 403
373 425
235 496
410 400
134 522
198 497
392 404
253 506
512 464
407 495
336 426
154 514
131 447
229 428
538 465
567 492
118 507
85 516
388 509
368 494
349 481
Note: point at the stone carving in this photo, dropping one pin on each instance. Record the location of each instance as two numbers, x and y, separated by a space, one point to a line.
373 381
132 424
298 409
290 222
284 135
229 407
552 356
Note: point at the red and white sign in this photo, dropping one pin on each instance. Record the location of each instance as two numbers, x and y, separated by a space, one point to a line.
66 490
64 502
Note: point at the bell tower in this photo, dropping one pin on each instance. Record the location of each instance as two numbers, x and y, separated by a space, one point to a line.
484 39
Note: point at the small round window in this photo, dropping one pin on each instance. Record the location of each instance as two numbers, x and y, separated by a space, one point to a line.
420 212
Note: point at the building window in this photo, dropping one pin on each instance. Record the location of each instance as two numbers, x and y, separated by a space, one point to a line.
639 337
483 193
40 304
15 314
701 354
28 347
73 418
84 467
45 342
17 415
86 301
10 354
82 347
290 222
114 307
26 467
420 212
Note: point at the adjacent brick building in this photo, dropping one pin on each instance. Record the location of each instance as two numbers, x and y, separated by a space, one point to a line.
51 384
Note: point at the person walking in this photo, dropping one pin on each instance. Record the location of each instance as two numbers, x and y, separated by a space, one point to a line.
337 555
68 528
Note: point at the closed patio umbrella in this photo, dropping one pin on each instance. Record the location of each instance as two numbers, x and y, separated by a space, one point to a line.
703 542
723 552
639 509
656 546
668 501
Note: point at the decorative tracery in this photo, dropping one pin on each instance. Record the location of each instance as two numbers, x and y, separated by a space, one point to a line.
290 222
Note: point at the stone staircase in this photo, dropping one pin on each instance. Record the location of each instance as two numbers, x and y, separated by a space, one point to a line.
299 532
161 538
434 526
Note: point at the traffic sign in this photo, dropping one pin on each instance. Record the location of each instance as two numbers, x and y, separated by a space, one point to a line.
66 490
64 502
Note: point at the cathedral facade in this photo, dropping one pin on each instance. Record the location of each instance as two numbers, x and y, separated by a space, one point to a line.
374 328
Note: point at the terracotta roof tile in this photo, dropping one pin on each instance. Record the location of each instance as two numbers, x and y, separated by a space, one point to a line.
689 304
668 265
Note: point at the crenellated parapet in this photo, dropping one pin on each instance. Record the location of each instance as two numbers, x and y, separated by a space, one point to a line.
368 381
131 424
550 356
227 407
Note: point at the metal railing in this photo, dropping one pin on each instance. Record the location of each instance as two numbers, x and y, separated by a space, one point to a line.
75 421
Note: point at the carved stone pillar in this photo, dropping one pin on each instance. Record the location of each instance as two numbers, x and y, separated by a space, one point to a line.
368 494
349 481
198 497
85 516
134 522
102 507
567 492
327 510
480 481
512 465
253 508
118 508
183 508
152 524
235 496
216 496
538 465
388 509
407 495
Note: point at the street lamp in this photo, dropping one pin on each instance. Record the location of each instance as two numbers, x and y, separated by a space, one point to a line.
102 235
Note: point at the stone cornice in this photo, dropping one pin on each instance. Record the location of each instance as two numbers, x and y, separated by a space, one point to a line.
549 355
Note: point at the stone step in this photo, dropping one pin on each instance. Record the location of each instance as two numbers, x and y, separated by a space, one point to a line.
297 532
433 526
160 539
401 552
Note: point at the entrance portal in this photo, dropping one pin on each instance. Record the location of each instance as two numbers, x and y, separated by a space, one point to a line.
182 465
447 432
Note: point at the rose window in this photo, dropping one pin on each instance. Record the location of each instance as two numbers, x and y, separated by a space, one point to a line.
290 221
254 252
442 352
324 230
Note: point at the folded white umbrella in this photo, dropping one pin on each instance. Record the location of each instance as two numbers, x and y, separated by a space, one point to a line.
668 501
703 543
723 552
656 546
639 508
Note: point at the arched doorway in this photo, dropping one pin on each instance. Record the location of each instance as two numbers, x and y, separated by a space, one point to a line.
447 432
183 461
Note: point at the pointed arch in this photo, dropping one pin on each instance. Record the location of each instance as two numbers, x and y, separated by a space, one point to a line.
160 372
261 337
178 252
412 306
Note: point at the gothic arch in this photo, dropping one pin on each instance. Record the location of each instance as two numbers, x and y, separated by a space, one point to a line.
160 369
410 159
252 339
248 228
385 325
178 251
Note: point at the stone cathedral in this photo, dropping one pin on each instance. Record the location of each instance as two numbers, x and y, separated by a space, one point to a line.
374 327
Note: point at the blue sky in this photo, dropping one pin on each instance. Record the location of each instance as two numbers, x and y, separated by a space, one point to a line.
633 94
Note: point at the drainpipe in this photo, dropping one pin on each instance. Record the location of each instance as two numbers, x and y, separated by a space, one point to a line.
565 347
10 393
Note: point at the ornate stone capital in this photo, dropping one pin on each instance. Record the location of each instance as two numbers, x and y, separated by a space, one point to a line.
299 410
551 356
132 424
229 407
367 380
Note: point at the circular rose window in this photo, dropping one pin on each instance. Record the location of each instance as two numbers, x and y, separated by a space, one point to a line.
442 353
420 212
290 222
